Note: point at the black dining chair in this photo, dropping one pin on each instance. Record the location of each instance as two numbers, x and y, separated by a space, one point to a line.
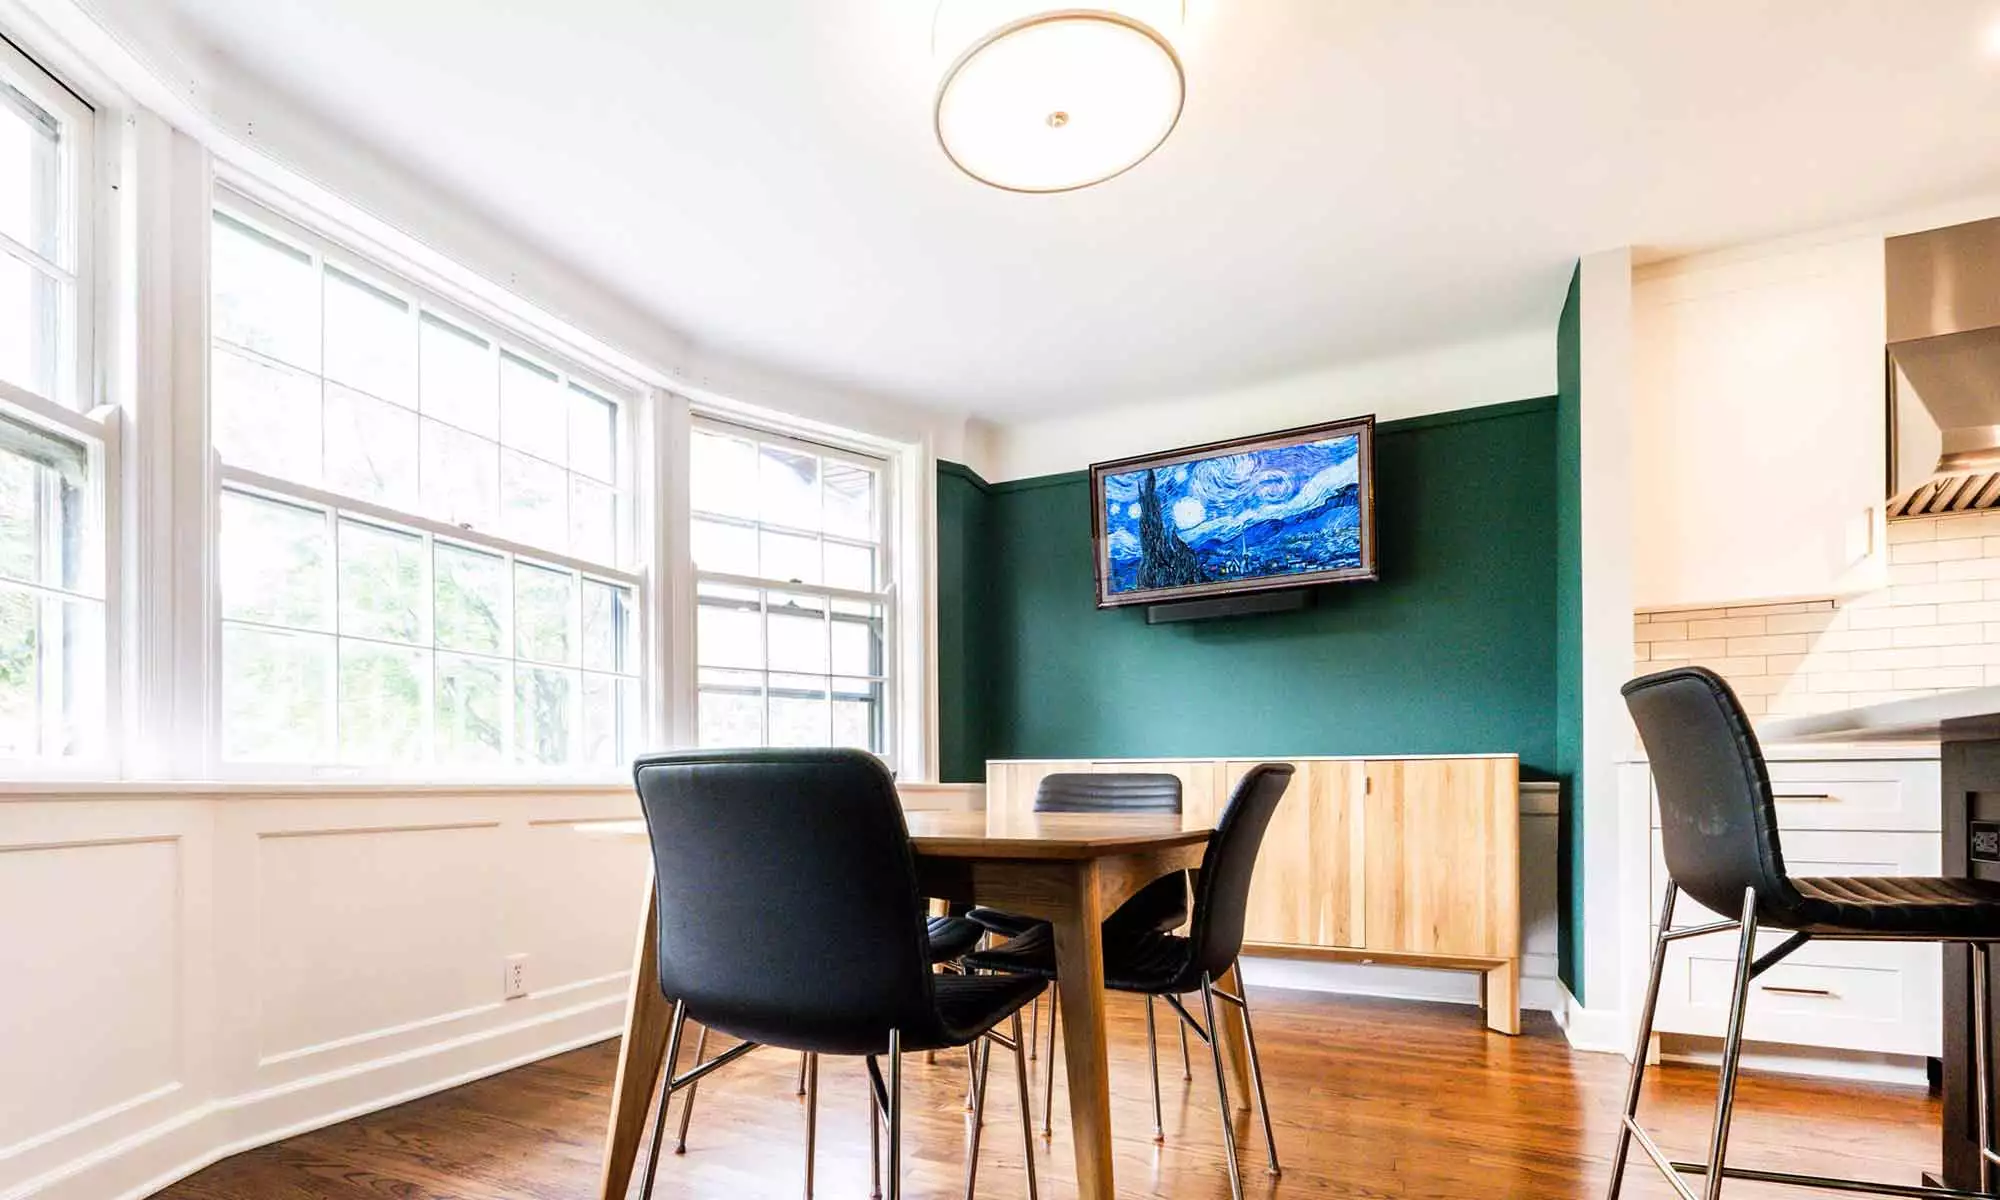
789 916
1719 831
1168 965
1161 906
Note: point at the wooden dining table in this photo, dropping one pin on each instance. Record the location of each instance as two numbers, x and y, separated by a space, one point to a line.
1070 869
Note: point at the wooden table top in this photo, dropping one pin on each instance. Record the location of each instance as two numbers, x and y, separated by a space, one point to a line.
1046 836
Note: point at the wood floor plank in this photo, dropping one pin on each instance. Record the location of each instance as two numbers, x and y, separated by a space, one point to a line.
1374 1100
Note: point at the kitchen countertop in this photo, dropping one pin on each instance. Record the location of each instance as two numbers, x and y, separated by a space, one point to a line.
1943 717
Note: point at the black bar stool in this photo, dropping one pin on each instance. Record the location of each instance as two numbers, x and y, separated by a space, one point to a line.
1719 827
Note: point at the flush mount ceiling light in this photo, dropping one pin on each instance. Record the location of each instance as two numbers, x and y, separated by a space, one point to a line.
1059 101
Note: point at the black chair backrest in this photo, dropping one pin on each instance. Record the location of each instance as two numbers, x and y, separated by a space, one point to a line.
1222 888
1718 823
1120 792
788 903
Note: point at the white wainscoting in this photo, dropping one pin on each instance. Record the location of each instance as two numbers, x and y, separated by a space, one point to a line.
192 972
1540 988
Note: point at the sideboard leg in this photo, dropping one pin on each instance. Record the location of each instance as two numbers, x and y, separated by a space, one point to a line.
1503 997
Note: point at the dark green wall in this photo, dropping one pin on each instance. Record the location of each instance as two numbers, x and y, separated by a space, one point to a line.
1569 634
1453 650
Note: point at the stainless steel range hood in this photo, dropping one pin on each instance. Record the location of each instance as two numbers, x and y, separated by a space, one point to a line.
1943 289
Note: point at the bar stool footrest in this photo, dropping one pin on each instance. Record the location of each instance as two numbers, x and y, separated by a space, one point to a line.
1826 1183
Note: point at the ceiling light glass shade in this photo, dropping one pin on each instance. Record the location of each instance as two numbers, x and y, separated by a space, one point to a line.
1059 101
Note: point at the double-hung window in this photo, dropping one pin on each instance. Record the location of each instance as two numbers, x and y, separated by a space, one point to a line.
794 592
426 525
52 475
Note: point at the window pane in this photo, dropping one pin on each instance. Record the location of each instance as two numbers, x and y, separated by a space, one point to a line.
799 712
593 521
544 714
723 478
274 695
850 567
461 476
275 562
857 644
458 380
31 184
850 500
371 344
267 417
381 584
44 519
602 721
34 338
371 448
730 708
471 602
788 487
857 709
797 629
593 434
263 294
788 557
608 627
382 702
20 675
543 599
20 518
471 699
729 628
727 549
534 500
534 413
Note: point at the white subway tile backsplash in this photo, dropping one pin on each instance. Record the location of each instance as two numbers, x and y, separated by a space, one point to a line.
1728 627
1892 618
1970 568
1940 635
1912 531
1662 631
1878 660
1806 622
1940 678
1706 648
1955 592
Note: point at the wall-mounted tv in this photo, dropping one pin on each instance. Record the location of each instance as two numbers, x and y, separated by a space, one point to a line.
1284 510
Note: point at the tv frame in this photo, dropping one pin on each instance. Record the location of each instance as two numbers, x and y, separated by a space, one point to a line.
1364 455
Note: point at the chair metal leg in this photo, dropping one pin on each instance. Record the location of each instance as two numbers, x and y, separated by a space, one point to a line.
971 1069
812 1118
1187 1064
982 1056
1982 1062
874 1139
895 1115
1034 1027
1049 1075
1732 1046
1221 1088
666 1098
687 1106
1256 1076
1638 1071
802 1073
1153 1063
1022 1049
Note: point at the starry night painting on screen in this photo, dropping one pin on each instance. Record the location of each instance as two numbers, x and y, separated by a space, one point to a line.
1276 511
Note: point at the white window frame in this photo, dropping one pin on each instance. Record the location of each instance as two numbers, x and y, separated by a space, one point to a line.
889 596
73 411
631 571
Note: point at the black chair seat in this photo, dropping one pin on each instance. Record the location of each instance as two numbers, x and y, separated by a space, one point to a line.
1915 907
951 937
1152 963
969 1005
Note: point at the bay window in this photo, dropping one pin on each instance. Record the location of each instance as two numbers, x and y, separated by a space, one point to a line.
425 526
793 591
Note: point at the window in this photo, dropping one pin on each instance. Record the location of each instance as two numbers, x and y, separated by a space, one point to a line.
52 598
422 555
792 592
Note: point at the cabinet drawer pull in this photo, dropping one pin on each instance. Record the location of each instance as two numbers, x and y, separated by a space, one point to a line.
1795 991
1815 797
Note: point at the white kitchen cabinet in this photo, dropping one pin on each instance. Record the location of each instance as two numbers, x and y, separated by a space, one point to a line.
1758 425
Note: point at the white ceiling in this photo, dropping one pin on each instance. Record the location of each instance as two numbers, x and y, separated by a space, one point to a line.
1351 177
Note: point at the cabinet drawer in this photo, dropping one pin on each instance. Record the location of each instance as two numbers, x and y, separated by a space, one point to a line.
1880 997
1879 794
1810 852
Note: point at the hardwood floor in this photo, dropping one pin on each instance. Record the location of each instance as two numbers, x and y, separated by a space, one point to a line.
1373 1098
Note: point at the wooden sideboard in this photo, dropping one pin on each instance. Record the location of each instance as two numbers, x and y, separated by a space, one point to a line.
1401 861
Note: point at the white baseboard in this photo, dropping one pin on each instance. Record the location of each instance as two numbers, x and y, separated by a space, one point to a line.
1538 993
206 1132
1598 1030
1819 1063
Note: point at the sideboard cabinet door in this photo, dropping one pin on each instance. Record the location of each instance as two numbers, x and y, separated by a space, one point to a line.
1441 842
1307 889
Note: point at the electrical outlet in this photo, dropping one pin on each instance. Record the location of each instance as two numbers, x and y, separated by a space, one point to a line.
514 984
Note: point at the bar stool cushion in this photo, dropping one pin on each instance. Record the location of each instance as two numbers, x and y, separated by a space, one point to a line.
1915 907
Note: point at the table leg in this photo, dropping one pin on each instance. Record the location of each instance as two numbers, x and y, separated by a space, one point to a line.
1234 1052
1080 991
648 1018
